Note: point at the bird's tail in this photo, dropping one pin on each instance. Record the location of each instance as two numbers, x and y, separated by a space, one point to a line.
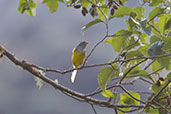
74 73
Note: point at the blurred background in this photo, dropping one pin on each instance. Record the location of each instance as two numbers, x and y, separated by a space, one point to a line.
47 40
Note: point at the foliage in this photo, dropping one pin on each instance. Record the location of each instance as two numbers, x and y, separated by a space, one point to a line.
145 36
27 5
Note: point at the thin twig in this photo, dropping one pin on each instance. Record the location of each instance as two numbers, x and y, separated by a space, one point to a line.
116 111
133 110
93 108
146 67
145 80
98 43
144 92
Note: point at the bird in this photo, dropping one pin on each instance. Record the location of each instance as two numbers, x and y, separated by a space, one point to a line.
78 57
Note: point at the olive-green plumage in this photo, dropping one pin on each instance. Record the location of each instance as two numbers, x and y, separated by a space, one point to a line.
78 56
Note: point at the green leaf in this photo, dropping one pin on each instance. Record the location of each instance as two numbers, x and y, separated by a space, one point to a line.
117 69
61 1
163 111
68 2
155 3
164 23
84 3
90 24
105 75
168 39
164 61
121 11
155 12
136 72
143 38
109 40
27 5
105 12
101 2
32 11
132 43
144 49
154 38
168 77
141 51
121 40
167 42
108 94
155 66
123 1
155 25
151 110
128 100
139 10
168 24
52 5
132 54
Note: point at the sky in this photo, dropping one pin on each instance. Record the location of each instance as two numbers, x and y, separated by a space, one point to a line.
47 40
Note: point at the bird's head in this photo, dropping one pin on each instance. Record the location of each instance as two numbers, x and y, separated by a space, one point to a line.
81 46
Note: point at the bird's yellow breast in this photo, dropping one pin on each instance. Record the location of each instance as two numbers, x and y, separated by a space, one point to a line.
77 58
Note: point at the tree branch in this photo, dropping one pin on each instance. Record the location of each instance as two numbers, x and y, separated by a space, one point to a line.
78 96
97 65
